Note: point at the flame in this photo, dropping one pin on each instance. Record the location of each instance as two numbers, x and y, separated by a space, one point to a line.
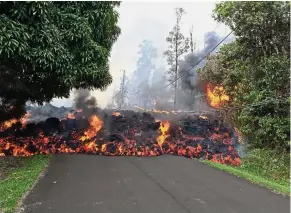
7 124
116 114
155 110
95 125
214 99
164 127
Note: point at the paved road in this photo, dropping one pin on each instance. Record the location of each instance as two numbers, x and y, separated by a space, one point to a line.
165 184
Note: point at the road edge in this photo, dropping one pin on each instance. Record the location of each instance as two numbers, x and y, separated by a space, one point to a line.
260 181
19 208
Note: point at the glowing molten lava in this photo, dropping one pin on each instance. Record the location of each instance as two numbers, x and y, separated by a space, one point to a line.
216 96
131 134
95 125
7 124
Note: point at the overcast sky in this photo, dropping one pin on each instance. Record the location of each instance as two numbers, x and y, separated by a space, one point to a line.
151 21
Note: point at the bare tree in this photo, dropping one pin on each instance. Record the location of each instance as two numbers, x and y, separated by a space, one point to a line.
178 45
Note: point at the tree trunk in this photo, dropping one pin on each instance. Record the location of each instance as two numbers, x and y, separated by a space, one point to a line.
176 67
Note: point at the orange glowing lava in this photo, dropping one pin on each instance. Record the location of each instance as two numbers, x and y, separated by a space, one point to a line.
95 125
7 124
216 96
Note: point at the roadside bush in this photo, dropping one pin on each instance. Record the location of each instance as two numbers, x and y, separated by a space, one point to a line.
268 163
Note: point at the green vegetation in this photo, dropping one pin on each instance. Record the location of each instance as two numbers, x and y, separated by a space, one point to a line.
263 167
49 48
254 71
19 179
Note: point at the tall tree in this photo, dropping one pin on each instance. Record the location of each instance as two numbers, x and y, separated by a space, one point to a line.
49 48
178 45
139 85
254 69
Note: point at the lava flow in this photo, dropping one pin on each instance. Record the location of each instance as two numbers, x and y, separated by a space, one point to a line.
124 133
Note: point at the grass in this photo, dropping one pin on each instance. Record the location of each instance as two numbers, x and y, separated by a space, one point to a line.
19 179
262 167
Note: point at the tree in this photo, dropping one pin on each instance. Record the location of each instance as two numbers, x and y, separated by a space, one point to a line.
145 66
49 48
254 69
119 98
178 45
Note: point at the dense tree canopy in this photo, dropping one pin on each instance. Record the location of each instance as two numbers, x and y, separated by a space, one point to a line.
48 48
254 69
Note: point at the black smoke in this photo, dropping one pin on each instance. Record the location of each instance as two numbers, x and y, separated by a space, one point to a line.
83 100
190 83
194 61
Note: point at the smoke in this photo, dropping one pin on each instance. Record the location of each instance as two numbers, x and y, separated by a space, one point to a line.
83 100
190 79
190 83
41 113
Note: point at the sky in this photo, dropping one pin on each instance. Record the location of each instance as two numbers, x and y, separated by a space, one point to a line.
152 21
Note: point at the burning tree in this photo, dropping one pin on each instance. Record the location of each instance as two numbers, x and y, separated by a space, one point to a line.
49 48
254 70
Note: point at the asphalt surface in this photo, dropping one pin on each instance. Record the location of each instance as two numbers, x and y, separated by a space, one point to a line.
165 184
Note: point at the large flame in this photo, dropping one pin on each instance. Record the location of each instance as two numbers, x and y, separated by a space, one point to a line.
215 95
164 127
95 125
8 124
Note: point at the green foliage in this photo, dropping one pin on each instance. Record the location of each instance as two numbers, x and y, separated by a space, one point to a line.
48 48
254 70
268 164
